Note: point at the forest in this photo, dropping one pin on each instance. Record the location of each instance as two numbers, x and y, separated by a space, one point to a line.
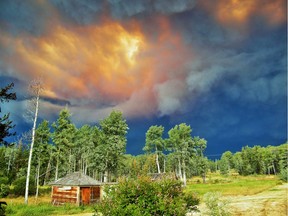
99 151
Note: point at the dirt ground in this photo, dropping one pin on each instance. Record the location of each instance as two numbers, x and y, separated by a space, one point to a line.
272 202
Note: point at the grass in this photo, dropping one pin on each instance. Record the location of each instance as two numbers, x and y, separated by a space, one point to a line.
233 185
45 209
41 206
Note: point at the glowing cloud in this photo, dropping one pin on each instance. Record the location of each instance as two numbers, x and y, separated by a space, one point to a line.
237 13
108 63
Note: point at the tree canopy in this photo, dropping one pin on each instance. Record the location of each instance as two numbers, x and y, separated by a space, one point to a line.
5 123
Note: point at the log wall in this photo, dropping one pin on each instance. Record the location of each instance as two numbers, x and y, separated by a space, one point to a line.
61 195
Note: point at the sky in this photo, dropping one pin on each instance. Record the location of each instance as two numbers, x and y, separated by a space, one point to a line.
219 66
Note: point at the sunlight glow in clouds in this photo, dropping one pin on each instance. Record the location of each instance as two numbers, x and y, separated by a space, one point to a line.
106 64
238 13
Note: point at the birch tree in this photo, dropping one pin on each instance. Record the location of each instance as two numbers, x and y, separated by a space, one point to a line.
36 88
114 129
155 143
181 143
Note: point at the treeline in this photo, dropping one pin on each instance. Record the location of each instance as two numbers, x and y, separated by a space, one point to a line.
99 151
93 150
255 160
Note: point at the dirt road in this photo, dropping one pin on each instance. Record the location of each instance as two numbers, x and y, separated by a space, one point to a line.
272 202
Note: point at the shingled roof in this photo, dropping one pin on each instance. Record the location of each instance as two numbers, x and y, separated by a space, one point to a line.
76 179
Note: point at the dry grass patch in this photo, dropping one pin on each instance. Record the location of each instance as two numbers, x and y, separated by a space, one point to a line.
238 185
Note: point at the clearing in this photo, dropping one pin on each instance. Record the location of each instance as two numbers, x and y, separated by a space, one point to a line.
270 202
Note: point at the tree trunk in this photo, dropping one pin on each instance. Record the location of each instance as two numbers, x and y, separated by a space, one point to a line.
184 172
157 162
274 170
164 168
47 170
180 169
31 148
37 180
106 176
204 177
56 170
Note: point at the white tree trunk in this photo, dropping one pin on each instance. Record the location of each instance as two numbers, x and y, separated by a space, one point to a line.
164 168
184 172
106 176
31 148
180 170
47 174
37 180
157 162
56 170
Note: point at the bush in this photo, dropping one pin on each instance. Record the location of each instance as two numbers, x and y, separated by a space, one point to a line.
144 197
4 190
4 180
192 201
20 185
215 206
284 175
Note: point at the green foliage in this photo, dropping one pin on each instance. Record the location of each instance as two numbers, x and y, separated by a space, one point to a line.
4 180
3 209
144 197
215 205
284 175
4 190
255 160
5 123
114 129
154 142
192 201
20 185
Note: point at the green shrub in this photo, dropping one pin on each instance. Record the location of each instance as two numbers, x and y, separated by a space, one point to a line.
20 185
4 180
192 200
4 190
284 175
144 197
215 206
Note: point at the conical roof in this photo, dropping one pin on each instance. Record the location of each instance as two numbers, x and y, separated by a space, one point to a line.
76 179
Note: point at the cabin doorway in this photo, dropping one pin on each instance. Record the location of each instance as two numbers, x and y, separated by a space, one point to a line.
85 195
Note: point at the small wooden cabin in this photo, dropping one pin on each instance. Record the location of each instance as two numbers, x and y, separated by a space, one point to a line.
76 188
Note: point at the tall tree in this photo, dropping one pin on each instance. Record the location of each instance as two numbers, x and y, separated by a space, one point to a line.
155 143
6 124
84 147
63 138
41 148
114 129
36 88
181 143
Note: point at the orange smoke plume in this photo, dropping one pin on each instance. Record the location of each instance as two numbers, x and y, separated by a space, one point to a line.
237 13
108 62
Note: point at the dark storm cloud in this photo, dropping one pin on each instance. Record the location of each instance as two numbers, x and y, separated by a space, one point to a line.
19 16
90 11
81 12
123 9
